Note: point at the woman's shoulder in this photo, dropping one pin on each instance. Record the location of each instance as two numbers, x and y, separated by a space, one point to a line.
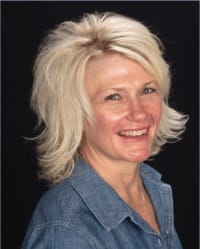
154 178
59 219
148 171
56 221
58 203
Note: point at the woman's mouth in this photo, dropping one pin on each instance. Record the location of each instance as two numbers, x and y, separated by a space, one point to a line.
133 133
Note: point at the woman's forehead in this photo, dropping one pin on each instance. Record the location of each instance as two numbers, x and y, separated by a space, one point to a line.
114 68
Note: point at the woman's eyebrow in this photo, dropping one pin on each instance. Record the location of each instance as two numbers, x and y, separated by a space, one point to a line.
121 88
118 89
150 82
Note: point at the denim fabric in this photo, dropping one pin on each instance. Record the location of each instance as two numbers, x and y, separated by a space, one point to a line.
84 212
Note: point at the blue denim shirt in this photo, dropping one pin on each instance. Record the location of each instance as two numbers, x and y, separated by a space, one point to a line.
84 212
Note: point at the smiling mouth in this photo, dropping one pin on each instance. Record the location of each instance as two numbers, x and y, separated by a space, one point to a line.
133 133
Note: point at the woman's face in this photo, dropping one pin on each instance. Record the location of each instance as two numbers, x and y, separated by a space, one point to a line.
127 106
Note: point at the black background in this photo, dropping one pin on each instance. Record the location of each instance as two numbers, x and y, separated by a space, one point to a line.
23 26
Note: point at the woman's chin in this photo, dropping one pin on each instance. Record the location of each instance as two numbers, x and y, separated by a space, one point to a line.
140 156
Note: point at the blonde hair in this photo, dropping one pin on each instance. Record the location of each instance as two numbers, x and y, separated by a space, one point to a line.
59 97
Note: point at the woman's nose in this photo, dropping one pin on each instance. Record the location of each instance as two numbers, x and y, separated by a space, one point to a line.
137 111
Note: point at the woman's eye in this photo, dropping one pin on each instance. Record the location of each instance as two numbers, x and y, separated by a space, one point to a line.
148 90
113 97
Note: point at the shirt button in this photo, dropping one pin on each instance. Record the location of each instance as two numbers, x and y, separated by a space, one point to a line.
159 242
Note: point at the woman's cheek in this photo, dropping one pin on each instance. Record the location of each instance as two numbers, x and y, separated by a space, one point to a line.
108 119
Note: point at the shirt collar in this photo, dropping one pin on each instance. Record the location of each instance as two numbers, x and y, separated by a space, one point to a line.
148 172
105 204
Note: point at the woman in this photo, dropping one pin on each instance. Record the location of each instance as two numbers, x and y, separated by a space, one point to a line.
100 89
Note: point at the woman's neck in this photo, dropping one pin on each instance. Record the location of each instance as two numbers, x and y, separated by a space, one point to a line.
123 176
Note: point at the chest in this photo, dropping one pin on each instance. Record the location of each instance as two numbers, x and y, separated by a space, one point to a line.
129 235
145 210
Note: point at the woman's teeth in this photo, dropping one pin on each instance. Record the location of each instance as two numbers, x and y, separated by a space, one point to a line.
132 133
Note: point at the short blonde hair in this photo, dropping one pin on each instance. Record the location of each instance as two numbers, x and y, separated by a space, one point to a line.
59 97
